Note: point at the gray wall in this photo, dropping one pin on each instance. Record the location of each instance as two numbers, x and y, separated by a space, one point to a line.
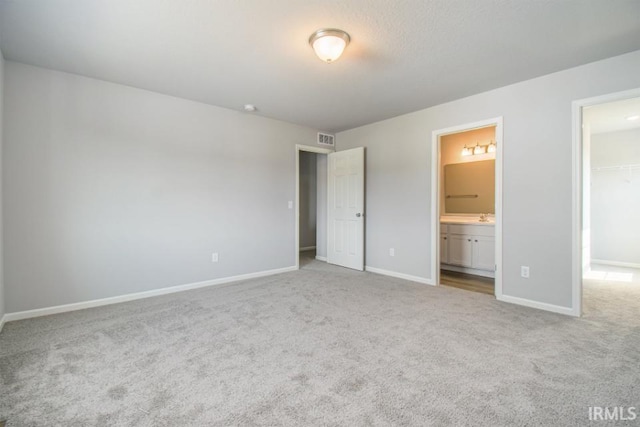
111 190
2 303
308 199
615 197
537 176
321 217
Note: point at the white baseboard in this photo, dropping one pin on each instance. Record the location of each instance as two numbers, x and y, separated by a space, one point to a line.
138 295
539 305
3 319
615 263
307 248
398 275
321 258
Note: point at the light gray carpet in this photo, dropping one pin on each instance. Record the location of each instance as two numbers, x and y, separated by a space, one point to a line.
323 346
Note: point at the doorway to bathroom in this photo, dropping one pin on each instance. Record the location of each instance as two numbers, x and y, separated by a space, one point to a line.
466 207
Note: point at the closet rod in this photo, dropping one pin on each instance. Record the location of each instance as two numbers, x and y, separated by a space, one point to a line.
620 167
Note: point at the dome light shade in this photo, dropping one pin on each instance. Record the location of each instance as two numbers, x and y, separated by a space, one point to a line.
479 149
329 43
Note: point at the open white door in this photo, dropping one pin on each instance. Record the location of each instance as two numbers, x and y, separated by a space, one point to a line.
345 216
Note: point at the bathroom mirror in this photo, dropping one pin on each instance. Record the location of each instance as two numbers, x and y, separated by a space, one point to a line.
469 188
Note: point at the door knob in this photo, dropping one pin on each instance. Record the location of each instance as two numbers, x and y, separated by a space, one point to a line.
358 215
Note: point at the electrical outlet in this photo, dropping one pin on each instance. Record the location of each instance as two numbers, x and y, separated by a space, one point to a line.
214 257
524 271
392 252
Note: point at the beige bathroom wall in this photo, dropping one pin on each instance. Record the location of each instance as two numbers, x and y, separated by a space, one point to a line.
451 153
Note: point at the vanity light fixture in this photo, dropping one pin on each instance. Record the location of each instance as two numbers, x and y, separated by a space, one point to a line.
479 149
634 117
329 43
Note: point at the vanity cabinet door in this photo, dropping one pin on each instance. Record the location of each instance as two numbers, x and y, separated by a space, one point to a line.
444 248
484 253
460 250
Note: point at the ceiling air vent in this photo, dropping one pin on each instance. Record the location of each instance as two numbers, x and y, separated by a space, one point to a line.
325 139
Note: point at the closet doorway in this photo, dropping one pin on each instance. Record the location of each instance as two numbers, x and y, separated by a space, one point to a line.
311 204
609 253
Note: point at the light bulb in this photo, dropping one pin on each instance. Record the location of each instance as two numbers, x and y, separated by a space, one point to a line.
491 148
478 149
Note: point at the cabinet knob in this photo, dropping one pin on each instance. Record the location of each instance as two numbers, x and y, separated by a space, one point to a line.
476 240
468 240
445 238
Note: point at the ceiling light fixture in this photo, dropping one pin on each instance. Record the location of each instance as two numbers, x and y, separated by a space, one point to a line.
466 151
329 43
249 108
634 117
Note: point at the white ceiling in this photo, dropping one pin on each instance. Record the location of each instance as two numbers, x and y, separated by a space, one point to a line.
404 55
612 116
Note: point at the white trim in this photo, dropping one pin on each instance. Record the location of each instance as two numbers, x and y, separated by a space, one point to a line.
536 304
321 258
3 320
312 149
398 275
435 195
298 149
576 188
616 263
139 295
306 248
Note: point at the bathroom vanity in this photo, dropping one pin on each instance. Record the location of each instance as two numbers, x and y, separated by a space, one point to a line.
467 245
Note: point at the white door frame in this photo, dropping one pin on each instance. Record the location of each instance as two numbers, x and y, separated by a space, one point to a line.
576 188
309 149
435 196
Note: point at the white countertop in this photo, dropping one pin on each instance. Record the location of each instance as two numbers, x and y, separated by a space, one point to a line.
474 220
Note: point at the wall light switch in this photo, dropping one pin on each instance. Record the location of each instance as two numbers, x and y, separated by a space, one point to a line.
214 257
392 252
524 271
290 204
